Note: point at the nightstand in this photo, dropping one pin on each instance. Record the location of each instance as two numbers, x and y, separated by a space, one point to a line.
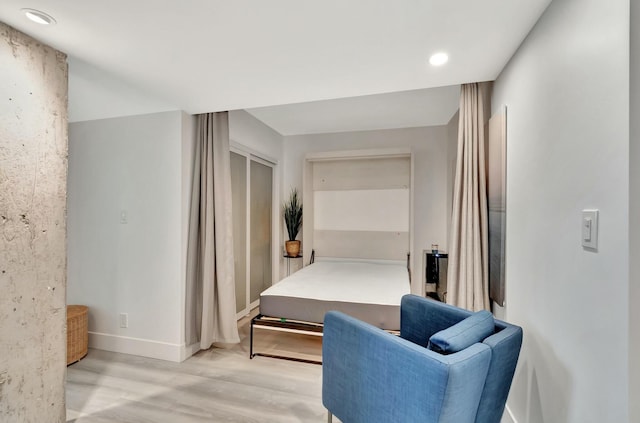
288 257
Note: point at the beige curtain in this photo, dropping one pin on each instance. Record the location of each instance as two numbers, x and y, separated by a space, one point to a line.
210 297
468 270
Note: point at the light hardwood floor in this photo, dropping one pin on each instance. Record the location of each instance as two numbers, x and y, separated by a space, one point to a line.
217 385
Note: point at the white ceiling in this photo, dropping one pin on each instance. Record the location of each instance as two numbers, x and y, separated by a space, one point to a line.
404 109
211 55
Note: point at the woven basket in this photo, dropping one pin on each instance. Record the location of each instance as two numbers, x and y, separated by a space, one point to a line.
77 332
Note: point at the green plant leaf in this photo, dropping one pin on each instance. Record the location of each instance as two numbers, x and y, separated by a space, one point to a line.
293 214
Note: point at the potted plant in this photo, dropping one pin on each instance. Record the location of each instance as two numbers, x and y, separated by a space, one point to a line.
293 220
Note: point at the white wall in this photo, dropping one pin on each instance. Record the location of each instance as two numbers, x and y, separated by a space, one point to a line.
566 92
97 94
430 148
634 212
130 164
188 143
250 132
142 164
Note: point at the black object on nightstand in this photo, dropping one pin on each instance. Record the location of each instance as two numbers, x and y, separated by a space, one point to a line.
436 273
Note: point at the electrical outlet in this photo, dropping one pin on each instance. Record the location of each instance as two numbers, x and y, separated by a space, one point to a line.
124 320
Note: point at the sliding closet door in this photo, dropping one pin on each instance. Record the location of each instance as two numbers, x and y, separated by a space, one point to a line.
252 198
239 207
261 193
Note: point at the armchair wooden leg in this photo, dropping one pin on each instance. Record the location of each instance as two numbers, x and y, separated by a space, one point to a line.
329 417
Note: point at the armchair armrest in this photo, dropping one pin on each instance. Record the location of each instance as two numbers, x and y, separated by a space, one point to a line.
505 347
372 376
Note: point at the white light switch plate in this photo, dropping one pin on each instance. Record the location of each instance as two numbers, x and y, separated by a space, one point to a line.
589 231
124 320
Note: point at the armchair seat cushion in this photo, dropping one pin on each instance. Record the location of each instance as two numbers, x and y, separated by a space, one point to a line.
467 332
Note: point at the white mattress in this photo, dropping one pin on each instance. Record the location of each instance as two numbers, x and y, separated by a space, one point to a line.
369 291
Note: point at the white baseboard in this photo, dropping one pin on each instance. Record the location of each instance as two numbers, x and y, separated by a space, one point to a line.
142 347
508 416
189 350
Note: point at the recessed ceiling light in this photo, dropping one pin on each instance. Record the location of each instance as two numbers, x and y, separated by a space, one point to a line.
439 59
39 17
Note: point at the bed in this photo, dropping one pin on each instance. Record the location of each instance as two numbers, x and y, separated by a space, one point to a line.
369 290
358 221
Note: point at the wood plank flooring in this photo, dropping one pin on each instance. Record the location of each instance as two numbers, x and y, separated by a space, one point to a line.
217 385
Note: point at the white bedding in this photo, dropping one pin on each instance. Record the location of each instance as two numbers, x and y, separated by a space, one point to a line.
370 291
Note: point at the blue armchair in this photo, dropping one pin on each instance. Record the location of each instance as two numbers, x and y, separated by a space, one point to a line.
448 365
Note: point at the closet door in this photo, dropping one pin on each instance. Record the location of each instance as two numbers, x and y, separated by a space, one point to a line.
261 193
239 207
252 202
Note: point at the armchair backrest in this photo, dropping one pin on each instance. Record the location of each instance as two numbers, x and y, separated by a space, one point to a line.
420 318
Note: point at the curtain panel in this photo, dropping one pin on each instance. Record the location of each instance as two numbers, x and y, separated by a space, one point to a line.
468 268
210 294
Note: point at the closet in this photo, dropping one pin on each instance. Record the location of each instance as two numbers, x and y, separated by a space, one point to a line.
252 202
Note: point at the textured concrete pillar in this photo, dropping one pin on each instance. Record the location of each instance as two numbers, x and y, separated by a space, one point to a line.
33 172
